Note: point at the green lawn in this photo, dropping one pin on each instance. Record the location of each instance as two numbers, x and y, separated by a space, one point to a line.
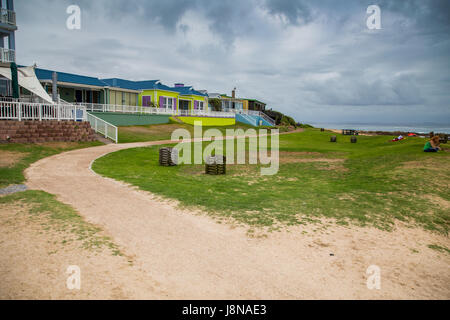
15 158
163 131
373 182
126 119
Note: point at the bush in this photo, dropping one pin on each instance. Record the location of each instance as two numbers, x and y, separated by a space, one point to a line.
304 126
281 119
216 104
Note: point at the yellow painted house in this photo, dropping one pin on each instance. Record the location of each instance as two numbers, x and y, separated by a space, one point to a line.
153 93
189 98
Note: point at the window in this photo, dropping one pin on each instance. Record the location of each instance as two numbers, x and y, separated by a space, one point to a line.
118 97
112 97
168 103
200 105
133 99
125 99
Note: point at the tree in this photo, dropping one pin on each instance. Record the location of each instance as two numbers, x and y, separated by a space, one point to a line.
216 104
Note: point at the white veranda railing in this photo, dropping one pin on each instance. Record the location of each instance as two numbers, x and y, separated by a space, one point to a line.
95 107
38 111
21 111
103 127
227 113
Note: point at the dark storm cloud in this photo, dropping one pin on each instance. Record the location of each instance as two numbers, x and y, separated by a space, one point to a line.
295 11
427 15
311 59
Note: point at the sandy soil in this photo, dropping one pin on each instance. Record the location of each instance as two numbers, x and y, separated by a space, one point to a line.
34 262
191 256
10 158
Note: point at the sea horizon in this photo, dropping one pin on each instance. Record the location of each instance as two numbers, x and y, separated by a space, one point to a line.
409 127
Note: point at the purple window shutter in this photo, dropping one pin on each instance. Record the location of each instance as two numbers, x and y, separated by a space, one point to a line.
146 101
195 104
175 104
161 102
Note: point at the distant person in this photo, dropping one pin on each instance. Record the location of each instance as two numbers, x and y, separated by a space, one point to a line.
433 145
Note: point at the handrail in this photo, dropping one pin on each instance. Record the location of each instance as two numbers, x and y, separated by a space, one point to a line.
107 129
267 118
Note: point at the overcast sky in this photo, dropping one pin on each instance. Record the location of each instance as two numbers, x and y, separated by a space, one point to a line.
314 60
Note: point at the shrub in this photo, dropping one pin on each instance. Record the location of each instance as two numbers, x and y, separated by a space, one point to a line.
216 104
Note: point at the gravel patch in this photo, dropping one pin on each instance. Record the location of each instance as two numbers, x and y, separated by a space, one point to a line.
13 189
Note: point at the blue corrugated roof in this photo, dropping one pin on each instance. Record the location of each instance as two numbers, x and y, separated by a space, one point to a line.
44 74
128 84
136 85
185 91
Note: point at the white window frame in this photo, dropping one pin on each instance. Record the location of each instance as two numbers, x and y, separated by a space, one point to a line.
168 103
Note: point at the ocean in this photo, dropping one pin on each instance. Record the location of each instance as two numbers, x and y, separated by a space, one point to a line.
419 128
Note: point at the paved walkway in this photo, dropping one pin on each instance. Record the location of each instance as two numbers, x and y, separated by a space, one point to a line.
192 256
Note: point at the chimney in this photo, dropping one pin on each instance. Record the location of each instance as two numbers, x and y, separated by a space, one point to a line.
179 85
233 93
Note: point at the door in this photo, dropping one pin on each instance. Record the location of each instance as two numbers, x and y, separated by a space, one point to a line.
184 105
78 96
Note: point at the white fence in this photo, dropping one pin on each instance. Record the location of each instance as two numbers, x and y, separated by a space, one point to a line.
228 113
252 113
267 118
10 110
105 128
94 107
38 111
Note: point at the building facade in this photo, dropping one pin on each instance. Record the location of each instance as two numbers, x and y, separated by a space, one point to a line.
255 105
8 28
229 103
190 99
83 89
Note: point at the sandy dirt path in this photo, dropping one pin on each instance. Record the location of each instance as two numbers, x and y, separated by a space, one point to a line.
193 257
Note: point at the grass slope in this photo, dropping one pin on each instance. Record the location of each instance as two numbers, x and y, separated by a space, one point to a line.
126 119
373 182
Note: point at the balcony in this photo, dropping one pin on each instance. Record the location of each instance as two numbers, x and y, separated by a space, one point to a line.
8 17
7 55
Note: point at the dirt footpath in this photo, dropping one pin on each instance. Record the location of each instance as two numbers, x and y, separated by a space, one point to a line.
190 256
